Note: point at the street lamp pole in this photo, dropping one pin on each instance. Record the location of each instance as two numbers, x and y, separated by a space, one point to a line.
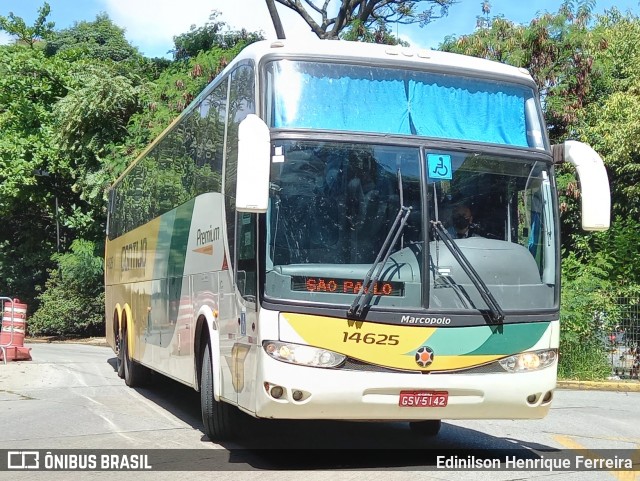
45 173
57 225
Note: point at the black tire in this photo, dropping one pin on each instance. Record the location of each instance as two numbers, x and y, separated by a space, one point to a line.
426 428
219 418
134 374
119 357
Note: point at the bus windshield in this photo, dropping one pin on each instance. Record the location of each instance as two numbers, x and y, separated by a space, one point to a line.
332 205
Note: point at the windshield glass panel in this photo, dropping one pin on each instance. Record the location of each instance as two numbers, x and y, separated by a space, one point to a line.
333 204
331 208
313 95
499 212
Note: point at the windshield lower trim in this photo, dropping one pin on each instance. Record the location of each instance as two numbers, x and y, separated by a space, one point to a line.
528 153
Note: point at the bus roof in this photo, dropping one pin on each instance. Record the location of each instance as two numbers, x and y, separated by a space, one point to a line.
342 50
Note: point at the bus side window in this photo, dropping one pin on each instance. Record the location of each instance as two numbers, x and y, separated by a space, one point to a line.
240 104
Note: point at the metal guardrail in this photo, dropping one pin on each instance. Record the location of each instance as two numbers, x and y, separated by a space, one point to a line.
622 342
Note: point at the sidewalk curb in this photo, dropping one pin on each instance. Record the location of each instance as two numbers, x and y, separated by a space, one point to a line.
616 386
92 341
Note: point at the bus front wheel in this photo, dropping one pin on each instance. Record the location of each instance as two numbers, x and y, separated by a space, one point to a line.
426 428
219 418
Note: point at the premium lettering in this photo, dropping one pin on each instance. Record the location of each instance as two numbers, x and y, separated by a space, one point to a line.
207 236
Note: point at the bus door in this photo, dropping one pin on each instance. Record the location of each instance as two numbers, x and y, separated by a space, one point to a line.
245 348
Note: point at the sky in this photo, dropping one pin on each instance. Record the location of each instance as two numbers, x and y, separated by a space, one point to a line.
151 25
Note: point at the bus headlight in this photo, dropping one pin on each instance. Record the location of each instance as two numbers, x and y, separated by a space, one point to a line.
303 355
529 361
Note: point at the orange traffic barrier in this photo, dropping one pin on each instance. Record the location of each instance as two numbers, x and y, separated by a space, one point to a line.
14 320
13 331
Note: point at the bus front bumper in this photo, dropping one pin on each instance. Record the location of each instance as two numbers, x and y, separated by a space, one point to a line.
313 393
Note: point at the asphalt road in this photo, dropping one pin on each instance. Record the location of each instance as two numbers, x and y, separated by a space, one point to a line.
69 397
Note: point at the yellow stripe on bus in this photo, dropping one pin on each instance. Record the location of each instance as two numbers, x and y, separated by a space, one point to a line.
385 345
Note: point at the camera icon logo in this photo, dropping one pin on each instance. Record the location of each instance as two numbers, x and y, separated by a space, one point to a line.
23 460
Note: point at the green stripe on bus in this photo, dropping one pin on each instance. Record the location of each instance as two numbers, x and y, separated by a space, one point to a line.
486 340
512 338
165 233
179 239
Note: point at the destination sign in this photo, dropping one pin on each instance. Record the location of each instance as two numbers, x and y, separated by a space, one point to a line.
344 286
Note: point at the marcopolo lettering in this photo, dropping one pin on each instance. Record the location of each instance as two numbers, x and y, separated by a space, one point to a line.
432 321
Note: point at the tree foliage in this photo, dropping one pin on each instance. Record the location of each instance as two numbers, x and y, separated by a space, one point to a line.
211 35
72 302
611 121
365 14
30 85
28 35
380 33
174 89
87 124
589 311
100 39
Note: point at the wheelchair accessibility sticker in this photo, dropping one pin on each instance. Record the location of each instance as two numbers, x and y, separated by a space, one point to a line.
439 166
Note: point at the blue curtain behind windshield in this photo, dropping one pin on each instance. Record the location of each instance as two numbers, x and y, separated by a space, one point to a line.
362 99
494 113
352 104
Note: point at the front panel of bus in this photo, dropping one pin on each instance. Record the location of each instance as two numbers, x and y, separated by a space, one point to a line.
409 255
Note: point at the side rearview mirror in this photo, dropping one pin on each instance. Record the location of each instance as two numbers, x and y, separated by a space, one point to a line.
594 183
254 160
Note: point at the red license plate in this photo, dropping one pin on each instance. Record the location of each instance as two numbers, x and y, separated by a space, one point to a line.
423 399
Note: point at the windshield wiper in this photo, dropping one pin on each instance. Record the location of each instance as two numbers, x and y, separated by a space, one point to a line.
363 298
496 312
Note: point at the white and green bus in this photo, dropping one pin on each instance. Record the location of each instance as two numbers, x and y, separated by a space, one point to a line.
338 230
